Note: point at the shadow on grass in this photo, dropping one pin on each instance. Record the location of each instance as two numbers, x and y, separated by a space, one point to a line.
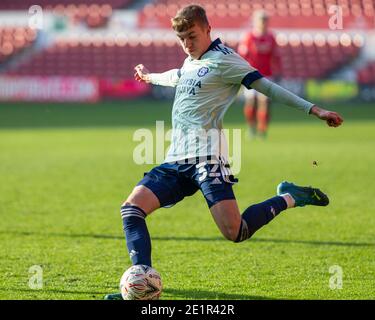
308 242
209 295
178 294
192 238
43 291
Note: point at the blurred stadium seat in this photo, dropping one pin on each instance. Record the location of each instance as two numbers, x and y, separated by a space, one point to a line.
49 4
236 13
101 58
93 13
108 58
14 40
314 55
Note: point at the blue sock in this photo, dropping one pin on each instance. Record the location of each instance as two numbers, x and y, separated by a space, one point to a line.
258 215
137 237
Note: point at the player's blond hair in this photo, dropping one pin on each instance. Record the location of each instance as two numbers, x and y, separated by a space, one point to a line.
260 15
189 16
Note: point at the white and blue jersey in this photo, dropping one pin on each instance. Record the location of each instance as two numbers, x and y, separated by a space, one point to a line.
205 88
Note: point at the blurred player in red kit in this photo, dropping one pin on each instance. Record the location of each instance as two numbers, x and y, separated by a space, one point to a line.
259 48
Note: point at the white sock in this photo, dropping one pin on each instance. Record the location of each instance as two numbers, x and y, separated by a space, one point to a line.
291 203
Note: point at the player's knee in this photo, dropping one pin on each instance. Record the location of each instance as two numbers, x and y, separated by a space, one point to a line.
230 233
134 198
143 199
131 201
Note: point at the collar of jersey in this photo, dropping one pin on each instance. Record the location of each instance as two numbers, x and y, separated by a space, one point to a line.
213 44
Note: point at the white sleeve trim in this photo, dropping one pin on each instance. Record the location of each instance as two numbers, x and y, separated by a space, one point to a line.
279 94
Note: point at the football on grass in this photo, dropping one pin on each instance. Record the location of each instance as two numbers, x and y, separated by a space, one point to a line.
140 282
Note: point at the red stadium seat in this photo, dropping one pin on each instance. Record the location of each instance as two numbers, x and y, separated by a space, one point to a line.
15 40
48 4
300 60
232 14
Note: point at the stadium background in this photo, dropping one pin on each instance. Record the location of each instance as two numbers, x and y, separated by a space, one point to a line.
69 107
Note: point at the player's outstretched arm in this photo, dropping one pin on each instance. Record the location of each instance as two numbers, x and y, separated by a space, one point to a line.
279 94
169 78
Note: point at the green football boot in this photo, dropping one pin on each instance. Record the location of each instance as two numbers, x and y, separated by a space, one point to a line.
113 296
303 195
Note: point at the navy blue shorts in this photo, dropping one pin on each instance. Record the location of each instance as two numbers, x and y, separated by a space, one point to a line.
172 182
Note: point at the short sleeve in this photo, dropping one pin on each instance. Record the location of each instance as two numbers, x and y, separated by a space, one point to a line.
236 70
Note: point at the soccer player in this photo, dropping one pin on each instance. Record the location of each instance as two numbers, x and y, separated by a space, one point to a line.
206 85
259 48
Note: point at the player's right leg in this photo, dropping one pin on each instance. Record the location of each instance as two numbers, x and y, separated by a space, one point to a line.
140 203
161 187
250 110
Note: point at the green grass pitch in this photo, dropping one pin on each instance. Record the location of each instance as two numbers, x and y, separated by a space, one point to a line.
65 170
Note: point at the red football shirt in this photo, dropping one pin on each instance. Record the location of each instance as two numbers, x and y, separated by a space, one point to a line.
260 52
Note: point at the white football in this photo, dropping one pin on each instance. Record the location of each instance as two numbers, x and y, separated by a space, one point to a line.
140 282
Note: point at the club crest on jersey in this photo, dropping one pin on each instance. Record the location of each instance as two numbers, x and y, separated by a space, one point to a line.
203 71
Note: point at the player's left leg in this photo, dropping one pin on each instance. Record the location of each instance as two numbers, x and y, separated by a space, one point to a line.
215 182
218 192
237 227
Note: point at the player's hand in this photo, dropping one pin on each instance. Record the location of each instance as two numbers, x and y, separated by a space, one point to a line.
141 73
332 118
